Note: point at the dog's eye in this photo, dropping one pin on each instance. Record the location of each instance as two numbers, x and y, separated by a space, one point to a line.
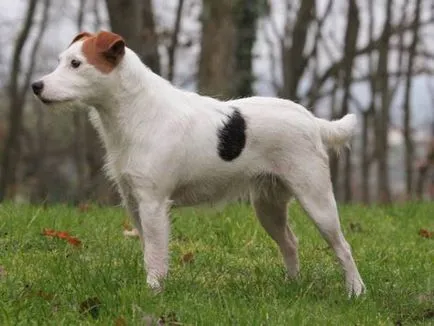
75 63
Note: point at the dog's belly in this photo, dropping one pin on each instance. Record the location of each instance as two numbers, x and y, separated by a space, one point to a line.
209 191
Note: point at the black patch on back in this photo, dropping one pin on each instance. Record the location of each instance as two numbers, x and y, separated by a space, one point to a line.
232 136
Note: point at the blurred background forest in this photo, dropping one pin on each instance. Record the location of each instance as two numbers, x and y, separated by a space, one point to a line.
373 58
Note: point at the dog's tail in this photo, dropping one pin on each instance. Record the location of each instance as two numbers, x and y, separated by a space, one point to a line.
337 133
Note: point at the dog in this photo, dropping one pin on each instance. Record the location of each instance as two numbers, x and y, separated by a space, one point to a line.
168 147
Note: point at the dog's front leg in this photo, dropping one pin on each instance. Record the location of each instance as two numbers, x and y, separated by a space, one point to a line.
155 227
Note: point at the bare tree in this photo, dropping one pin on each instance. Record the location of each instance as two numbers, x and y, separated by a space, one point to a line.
174 40
407 109
293 61
366 155
351 35
382 118
314 54
17 94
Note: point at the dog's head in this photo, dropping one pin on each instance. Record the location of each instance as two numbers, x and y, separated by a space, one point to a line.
86 69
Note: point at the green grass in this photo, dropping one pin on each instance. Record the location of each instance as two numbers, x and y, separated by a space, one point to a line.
235 278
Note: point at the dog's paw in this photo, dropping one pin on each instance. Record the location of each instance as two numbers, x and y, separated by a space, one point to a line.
131 233
356 287
291 276
154 284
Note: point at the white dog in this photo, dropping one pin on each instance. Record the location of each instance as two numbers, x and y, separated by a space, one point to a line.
167 146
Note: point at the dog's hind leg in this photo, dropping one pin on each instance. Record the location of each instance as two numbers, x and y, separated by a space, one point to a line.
271 210
311 184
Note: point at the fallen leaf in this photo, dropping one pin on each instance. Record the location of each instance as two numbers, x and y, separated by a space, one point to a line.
91 306
74 241
120 321
63 235
424 233
49 232
187 258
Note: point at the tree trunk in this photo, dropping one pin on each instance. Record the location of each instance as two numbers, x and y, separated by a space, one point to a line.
150 54
382 120
351 35
126 19
366 154
216 62
174 41
246 14
407 109
134 21
294 63
226 71
11 154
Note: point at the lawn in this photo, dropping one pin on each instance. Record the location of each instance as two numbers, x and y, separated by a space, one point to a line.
224 269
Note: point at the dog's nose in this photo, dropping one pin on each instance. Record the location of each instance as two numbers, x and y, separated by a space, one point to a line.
38 87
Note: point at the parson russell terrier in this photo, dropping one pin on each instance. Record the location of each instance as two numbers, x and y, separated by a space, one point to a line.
167 147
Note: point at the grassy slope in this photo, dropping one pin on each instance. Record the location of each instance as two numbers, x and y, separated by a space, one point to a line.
236 276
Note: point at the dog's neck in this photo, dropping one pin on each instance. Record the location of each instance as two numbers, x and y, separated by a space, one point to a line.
133 81
138 98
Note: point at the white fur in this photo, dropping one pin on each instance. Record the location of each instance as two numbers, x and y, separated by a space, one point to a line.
162 144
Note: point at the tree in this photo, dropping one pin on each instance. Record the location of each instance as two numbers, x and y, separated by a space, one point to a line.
216 62
150 54
246 15
367 114
407 109
226 71
294 62
138 30
17 94
382 118
174 40
351 35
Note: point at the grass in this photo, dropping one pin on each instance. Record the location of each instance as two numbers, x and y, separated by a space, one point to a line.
224 270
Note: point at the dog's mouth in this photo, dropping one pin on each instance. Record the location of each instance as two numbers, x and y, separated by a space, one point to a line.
48 101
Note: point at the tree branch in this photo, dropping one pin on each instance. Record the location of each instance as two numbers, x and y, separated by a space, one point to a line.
174 40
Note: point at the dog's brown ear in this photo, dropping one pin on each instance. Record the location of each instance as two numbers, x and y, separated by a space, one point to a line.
80 36
111 45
